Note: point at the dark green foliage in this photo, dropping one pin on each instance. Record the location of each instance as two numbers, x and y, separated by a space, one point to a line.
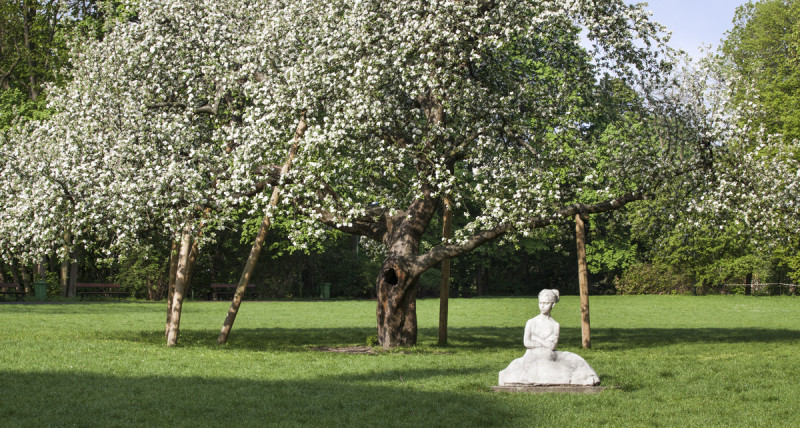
145 273
647 278
284 271
764 46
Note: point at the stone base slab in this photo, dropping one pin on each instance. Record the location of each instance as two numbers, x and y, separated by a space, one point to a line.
557 389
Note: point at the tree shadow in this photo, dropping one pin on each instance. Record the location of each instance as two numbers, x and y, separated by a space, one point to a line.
471 338
87 399
626 338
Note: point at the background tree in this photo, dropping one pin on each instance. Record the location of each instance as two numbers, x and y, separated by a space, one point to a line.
764 49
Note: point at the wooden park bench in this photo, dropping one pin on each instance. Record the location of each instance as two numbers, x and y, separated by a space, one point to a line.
229 289
12 288
99 289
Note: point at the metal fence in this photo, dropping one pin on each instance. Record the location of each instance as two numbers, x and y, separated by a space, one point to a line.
763 289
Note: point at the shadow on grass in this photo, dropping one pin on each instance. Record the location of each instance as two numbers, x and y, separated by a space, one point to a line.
626 338
81 399
474 338
617 338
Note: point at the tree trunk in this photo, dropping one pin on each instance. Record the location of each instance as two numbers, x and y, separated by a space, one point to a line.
583 280
64 269
41 269
396 285
173 270
397 305
2 270
73 274
190 266
28 14
255 250
15 274
64 276
26 278
482 280
444 294
184 257
748 287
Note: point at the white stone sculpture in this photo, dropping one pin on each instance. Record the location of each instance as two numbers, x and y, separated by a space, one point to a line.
542 364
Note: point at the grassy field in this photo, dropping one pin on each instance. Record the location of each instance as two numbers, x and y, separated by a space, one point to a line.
678 360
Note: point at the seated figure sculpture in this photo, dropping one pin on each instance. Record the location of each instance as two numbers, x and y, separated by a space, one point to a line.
542 364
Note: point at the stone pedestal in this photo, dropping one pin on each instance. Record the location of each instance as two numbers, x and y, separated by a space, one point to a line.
554 389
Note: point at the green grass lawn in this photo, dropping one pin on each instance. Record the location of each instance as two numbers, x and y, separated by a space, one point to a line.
678 360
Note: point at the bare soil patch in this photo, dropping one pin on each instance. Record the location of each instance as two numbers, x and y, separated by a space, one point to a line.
346 349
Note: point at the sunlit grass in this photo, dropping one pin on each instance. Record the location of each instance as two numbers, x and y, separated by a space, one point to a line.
678 360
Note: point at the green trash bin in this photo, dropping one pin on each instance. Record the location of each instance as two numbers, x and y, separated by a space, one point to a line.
325 290
40 288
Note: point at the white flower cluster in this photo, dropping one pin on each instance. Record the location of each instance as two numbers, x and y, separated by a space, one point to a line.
745 180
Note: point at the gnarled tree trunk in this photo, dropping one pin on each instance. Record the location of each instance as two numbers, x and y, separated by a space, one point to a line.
397 282
397 304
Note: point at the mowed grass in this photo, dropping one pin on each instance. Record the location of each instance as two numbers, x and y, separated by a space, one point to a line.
677 360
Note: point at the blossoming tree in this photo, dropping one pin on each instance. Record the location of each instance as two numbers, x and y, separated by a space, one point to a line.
137 141
484 102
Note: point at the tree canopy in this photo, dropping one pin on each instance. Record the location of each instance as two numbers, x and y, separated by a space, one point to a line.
764 48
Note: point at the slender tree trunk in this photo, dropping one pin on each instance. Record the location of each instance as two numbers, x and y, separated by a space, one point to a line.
16 275
64 269
184 256
26 278
190 266
28 14
255 250
2 270
173 271
64 276
444 294
583 281
73 274
482 280
41 269
748 287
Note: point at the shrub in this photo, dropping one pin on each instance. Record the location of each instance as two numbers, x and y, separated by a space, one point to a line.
646 278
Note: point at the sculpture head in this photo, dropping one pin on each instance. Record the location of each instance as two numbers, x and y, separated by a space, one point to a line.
547 299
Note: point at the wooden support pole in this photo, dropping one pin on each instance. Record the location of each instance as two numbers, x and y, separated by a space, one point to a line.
444 294
583 280
255 251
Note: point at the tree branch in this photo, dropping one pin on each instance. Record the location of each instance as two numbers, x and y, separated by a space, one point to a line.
441 252
367 225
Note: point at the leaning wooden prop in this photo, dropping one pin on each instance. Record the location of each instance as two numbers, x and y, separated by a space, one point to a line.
542 365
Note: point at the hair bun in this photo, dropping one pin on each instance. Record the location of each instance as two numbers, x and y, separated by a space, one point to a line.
556 295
